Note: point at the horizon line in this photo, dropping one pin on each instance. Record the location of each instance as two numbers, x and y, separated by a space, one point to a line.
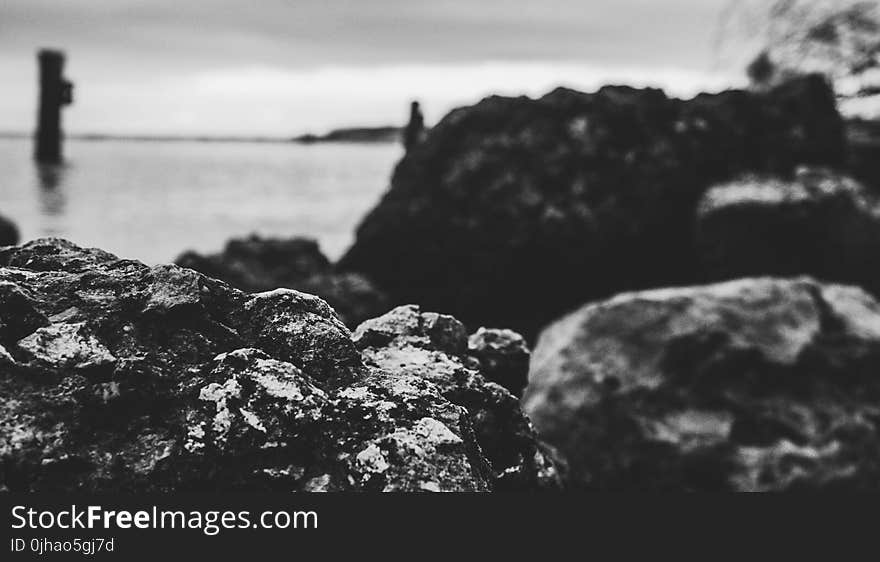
304 138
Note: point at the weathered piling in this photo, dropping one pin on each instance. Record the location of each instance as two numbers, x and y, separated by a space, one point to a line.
55 92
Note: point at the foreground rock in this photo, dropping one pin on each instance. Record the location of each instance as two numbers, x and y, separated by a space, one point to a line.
435 347
574 196
116 376
8 232
820 223
257 264
756 384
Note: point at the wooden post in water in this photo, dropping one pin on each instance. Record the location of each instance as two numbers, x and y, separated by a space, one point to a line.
55 91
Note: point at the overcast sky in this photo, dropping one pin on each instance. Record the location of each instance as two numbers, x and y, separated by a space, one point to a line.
283 67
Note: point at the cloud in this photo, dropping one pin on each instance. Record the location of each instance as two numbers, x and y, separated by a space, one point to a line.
373 31
276 101
279 67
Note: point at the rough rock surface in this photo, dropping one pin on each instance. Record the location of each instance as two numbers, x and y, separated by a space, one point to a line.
8 232
257 264
754 384
574 196
116 376
435 347
819 223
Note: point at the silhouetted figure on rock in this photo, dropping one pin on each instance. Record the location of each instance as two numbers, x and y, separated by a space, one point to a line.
762 71
412 135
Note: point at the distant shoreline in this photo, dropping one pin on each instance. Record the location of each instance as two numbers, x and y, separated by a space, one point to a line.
388 134
356 134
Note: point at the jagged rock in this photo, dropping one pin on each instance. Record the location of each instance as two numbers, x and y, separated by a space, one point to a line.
8 232
66 347
574 196
819 223
754 384
504 357
435 347
257 264
116 376
304 330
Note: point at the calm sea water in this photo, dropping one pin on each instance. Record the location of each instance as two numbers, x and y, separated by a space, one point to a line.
152 200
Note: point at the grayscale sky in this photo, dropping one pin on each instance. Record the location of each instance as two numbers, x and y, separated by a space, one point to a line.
275 67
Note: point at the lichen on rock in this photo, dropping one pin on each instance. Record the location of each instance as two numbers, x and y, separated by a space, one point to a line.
434 347
66 346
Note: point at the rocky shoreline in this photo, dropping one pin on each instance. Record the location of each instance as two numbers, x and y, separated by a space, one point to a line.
699 281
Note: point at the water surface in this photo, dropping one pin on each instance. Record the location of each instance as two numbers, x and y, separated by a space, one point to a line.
152 200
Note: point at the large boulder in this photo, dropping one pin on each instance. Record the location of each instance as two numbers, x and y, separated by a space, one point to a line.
515 209
754 384
820 223
8 232
116 376
256 264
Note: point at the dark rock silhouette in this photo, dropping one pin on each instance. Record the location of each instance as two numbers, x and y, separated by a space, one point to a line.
415 128
257 264
819 223
754 384
8 232
515 210
355 134
119 377
863 138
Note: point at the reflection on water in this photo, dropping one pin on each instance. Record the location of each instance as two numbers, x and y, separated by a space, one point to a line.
153 200
51 178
